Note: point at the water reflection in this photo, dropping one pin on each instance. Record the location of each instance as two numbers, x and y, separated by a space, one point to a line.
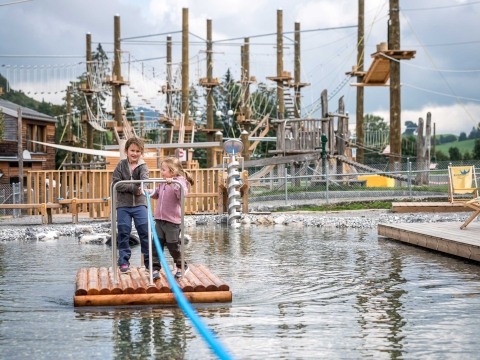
145 333
379 300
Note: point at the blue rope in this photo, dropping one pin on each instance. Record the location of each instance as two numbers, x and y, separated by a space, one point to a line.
182 301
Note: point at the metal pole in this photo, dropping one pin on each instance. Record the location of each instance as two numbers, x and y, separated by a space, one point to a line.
409 164
113 216
326 183
286 191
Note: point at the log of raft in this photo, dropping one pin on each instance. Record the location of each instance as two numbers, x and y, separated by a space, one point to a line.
131 287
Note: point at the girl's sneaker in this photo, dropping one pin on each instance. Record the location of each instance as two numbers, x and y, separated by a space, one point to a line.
155 275
179 271
125 269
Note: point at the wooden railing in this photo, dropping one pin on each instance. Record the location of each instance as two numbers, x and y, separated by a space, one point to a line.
48 186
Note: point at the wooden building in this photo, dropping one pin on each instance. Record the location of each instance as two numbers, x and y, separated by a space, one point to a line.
35 126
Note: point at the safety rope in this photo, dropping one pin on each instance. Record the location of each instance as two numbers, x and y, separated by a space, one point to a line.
182 301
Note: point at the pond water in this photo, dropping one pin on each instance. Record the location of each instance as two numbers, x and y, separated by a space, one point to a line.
298 293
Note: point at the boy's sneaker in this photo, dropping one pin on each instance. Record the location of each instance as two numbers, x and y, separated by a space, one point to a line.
179 271
125 269
155 275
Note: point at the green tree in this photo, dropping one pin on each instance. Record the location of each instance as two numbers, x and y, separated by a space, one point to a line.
441 156
476 149
462 136
454 153
375 123
467 156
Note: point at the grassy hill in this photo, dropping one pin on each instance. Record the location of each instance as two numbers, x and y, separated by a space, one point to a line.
463 146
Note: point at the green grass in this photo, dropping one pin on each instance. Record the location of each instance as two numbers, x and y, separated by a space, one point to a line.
349 206
463 146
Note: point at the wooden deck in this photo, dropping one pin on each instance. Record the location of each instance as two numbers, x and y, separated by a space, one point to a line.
445 237
95 287
414 207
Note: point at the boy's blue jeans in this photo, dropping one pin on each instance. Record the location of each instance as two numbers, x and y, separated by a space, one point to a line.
124 226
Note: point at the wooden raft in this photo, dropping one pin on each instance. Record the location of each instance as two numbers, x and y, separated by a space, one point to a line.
446 237
95 287
414 207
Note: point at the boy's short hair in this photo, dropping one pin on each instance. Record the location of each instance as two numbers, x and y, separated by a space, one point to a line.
135 141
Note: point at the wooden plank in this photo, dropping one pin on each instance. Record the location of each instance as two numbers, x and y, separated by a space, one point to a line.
443 237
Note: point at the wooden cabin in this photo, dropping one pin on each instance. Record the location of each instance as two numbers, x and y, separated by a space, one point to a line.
35 126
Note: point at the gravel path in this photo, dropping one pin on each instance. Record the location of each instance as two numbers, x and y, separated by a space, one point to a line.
29 227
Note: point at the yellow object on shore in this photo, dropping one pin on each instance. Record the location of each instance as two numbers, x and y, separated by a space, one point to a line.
377 181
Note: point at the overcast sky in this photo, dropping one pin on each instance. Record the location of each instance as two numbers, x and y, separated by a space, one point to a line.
450 34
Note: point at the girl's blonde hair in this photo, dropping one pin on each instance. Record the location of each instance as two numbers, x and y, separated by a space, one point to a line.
176 168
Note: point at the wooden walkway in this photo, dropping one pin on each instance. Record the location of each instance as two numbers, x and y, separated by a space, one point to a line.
413 207
95 287
445 237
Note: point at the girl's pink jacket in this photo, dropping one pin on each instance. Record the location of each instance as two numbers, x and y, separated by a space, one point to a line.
168 204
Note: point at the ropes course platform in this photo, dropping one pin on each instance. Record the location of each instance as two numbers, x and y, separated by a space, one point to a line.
95 287
445 237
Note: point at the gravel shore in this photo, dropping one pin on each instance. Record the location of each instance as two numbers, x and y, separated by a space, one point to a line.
30 227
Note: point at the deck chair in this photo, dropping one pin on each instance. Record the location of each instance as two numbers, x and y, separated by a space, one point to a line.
462 184
473 204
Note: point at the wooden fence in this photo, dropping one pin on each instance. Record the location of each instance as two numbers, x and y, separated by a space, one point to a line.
48 186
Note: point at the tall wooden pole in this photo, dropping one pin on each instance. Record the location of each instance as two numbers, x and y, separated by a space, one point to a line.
169 78
360 61
89 96
246 73
69 123
117 70
419 150
280 96
185 92
427 155
395 92
297 73
20 151
210 125
142 123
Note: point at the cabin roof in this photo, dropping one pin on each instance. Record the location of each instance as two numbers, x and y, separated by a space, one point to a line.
10 108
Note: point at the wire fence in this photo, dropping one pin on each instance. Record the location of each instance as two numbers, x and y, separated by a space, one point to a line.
10 194
312 183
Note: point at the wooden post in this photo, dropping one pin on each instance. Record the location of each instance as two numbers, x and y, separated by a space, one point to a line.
20 152
142 123
395 92
117 70
360 89
89 127
169 77
210 103
324 104
69 123
297 74
246 73
419 151
185 90
426 157
280 96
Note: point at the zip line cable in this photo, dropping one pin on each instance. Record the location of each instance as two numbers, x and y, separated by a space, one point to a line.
440 7
441 74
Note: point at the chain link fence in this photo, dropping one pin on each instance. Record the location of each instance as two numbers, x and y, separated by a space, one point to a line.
312 183
10 194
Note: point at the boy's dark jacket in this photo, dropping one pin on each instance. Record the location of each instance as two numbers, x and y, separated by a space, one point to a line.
126 193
